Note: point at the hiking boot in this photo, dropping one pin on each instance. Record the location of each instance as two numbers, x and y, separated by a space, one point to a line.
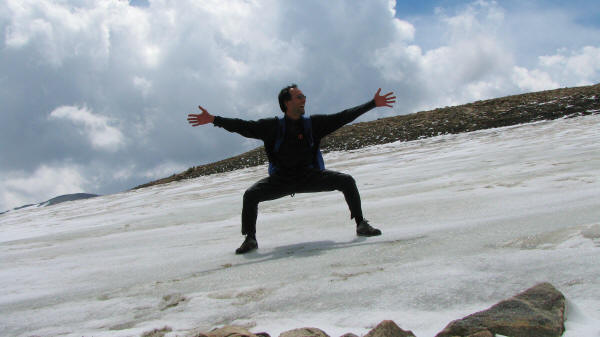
364 229
248 245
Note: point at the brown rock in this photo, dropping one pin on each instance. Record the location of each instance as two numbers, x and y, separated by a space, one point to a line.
349 334
197 334
304 332
157 332
388 329
484 333
230 331
536 312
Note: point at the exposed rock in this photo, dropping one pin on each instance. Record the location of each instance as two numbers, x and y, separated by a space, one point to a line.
157 332
304 332
388 329
170 300
230 331
349 335
536 312
484 333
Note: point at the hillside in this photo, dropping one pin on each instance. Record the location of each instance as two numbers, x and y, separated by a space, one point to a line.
498 112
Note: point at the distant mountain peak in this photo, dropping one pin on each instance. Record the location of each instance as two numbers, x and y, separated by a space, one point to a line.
58 200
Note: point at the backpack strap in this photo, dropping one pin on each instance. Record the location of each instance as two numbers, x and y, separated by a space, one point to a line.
280 134
311 142
278 141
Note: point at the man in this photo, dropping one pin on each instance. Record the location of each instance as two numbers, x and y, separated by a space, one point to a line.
292 146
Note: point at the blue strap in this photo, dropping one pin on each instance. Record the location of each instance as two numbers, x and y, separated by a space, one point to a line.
278 141
280 134
311 142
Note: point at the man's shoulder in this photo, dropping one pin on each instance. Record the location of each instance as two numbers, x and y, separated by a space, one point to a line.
319 117
268 121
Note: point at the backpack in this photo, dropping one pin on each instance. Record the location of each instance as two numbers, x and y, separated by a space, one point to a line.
318 157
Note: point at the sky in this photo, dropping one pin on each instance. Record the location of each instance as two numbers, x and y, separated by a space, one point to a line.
461 232
94 94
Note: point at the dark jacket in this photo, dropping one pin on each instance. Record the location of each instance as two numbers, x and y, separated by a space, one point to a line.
295 153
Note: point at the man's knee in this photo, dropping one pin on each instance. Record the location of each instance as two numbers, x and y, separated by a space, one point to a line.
250 196
346 181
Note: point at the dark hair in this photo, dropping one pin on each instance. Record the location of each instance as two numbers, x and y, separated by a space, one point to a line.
284 96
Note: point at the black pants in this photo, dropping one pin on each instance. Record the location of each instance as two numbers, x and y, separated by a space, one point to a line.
277 186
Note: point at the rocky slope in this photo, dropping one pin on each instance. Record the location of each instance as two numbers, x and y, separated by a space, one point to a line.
498 112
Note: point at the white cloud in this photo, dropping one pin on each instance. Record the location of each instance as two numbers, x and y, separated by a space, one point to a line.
575 68
580 67
142 84
532 80
477 60
472 64
163 170
477 19
20 188
60 31
404 30
57 31
95 127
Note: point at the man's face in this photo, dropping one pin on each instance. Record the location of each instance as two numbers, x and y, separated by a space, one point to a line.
295 106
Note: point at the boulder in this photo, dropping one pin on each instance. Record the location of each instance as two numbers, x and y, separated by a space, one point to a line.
484 333
388 329
536 312
157 332
230 331
171 300
304 332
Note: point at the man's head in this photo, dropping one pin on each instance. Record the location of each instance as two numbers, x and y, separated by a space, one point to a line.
292 101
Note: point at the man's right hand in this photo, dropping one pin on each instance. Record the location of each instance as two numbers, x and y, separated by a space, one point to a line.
200 119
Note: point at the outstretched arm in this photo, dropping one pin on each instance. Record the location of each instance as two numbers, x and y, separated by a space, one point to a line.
326 124
385 100
250 129
200 119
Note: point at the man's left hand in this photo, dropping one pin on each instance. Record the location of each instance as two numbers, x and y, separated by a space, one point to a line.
385 100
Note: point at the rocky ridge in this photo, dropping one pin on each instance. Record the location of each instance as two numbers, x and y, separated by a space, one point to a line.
492 113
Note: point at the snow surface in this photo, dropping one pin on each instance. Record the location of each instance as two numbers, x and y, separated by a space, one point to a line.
467 220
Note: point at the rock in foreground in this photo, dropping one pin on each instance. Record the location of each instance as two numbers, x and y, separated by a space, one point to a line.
389 329
536 312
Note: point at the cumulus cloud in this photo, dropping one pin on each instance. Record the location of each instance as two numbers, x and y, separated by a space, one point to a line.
578 67
581 67
475 59
471 63
95 127
163 170
46 182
